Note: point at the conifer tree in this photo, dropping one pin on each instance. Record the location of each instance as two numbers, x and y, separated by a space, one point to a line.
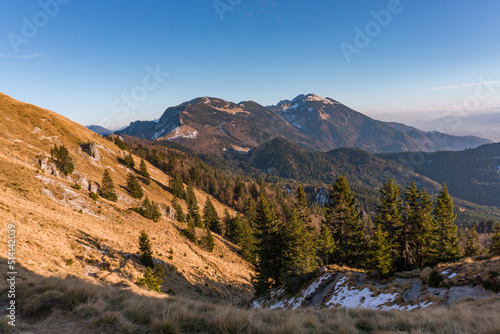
415 239
343 218
325 244
129 160
299 250
192 204
229 226
179 213
495 240
194 176
302 207
249 209
269 246
145 250
143 169
380 252
134 186
472 243
151 280
176 185
107 189
190 231
211 218
208 240
64 162
445 246
389 215
245 239
150 210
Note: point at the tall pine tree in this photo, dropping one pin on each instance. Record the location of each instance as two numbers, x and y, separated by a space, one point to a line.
299 250
472 243
343 218
176 185
268 235
211 218
380 252
192 204
143 169
133 186
107 189
389 215
325 244
145 250
495 240
445 246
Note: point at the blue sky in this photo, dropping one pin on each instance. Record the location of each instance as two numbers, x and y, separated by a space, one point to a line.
83 57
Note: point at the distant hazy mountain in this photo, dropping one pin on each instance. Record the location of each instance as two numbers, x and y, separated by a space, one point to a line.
486 125
212 125
442 140
100 130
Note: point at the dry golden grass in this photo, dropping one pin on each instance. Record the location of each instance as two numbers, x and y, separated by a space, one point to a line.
72 303
55 239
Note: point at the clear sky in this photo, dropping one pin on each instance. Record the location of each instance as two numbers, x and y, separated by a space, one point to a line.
92 61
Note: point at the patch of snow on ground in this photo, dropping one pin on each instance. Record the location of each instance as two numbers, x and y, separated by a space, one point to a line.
445 272
452 275
354 298
294 303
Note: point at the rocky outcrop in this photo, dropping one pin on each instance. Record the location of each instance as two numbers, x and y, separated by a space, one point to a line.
91 149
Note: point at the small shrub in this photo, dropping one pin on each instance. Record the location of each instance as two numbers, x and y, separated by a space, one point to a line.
94 196
69 262
76 186
435 278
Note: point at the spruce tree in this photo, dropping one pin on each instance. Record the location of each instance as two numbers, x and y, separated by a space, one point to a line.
389 215
145 250
472 243
208 240
211 218
495 240
179 213
149 210
249 209
64 162
299 250
143 169
134 187
194 176
176 185
245 239
380 252
343 218
302 207
269 246
229 227
325 244
192 204
444 234
129 160
107 189
415 239
190 231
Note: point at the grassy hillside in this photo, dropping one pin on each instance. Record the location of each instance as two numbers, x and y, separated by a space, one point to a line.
62 231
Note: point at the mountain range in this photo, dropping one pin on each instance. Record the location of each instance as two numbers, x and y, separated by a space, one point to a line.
212 125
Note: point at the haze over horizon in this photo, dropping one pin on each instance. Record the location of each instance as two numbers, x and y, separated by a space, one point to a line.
390 60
